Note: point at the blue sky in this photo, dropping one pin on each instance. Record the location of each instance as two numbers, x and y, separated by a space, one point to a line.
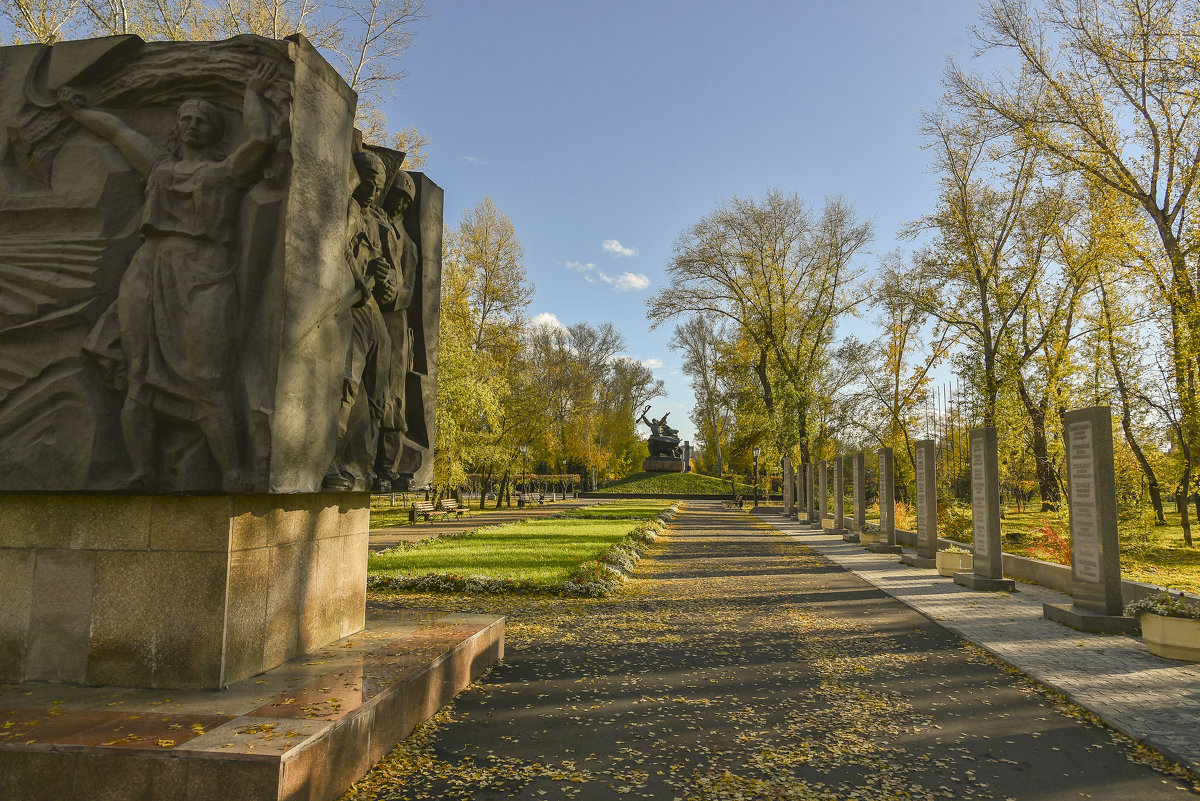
625 122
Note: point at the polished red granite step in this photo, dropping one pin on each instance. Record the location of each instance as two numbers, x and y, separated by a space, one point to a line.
301 732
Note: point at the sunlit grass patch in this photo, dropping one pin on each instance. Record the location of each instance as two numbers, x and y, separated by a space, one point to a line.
631 508
543 551
674 484
567 555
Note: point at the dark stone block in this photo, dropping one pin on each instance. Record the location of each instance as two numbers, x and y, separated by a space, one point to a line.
974 581
1083 619
913 560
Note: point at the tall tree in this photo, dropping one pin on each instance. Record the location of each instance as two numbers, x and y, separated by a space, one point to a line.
697 339
485 246
1107 88
779 273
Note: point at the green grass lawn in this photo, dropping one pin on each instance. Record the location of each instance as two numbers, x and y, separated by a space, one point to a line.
543 551
632 508
674 484
384 515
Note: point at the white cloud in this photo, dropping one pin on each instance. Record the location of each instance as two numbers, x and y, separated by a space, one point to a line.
617 249
652 363
625 282
580 267
548 319
472 159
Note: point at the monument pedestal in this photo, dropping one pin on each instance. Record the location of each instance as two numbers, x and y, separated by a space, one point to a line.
849 536
974 581
664 466
303 731
168 591
1084 619
883 547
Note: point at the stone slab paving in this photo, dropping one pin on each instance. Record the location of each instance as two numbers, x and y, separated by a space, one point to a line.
1154 700
734 665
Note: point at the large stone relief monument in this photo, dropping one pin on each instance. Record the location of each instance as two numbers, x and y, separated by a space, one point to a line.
218 328
206 284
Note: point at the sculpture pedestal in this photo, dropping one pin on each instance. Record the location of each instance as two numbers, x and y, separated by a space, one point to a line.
187 592
664 466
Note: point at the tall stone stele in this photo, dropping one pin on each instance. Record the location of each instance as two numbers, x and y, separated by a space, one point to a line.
987 564
186 247
1095 548
927 536
887 505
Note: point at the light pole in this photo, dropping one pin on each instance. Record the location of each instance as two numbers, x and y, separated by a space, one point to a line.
524 480
757 451
564 478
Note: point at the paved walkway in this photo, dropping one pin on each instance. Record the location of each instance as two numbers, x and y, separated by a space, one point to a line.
382 538
1153 700
737 664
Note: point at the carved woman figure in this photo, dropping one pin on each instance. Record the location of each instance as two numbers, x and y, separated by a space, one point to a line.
177 306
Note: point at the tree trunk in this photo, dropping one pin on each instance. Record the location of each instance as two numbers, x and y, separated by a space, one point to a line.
1127 414
760 370
1046 476
1186 484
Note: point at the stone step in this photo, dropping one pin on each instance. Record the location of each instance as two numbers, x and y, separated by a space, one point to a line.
303 731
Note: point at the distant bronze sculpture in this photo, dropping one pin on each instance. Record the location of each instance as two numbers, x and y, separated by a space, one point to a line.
664 442
177 313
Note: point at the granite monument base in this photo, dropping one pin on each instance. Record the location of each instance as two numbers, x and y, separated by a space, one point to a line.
849 536
1083 619
912 560
982 584
303 731
665 466
163 591
883 547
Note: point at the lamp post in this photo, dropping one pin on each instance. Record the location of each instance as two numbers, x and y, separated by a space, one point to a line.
524 480
564 478
757 451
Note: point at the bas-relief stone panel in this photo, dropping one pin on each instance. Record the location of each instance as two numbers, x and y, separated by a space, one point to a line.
91 131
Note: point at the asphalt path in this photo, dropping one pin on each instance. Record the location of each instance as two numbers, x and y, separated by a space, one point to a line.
739 664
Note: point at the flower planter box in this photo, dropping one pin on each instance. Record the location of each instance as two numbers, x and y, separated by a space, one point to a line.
1171 637
950 563
868 537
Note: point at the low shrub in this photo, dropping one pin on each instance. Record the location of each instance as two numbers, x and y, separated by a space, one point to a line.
1049 543
955 524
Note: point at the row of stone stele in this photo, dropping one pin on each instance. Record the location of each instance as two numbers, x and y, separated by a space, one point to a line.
1095 576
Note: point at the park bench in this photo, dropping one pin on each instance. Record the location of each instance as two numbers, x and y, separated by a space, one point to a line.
526 498
450 506
425 508
735 503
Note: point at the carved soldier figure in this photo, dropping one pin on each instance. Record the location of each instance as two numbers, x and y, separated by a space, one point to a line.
369 359
177 306
400 249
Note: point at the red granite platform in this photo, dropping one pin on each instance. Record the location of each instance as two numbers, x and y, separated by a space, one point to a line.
301 732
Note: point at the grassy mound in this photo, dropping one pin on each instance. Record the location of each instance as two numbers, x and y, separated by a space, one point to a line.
674 484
